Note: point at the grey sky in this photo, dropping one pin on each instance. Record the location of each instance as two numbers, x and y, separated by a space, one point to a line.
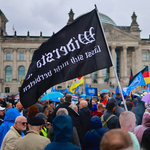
50 16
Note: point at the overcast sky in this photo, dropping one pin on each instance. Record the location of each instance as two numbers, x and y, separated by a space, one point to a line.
50 16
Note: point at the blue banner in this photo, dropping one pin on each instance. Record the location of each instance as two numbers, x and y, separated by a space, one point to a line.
92 92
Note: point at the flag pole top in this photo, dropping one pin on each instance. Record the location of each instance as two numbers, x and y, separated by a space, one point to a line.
96 8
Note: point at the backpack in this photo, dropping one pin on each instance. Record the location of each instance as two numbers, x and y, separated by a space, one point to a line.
104 123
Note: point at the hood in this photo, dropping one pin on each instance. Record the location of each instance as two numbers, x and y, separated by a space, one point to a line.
10 116
63 127
94 108
86 110
95 122
146 119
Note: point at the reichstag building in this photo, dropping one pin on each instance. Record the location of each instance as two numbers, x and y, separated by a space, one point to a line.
128 50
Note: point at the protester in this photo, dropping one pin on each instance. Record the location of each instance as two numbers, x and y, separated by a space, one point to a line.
14 133
63 127
45 126
51 104
139 110
118 109
109 119
1 115
9 105
75 137
32 111
48 113
139 130
85 115
99 111
18 108
73 113
39 105
79 100
105 98
127 122
9 121
129 105
93 137
118 98
116 139
2 102
68 100
145 143
33 140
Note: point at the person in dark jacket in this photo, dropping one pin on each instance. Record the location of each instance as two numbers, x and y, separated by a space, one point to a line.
145 143
114 121
118 109
85 116
68 99
92 138
63 127
73 113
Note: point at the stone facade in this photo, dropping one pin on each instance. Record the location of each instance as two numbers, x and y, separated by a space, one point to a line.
127 49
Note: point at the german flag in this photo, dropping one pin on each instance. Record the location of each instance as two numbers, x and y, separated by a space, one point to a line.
145 74
131 77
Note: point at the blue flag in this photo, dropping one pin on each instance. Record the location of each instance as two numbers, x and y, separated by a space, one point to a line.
86 86
117 91
138 81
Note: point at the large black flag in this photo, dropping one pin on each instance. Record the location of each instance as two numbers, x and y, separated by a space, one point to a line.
76 50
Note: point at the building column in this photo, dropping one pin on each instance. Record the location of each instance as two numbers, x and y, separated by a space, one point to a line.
125 77
112 73
100 78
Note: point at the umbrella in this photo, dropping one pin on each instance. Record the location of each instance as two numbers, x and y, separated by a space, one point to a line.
52 95
146 98
143 91
105 91
16 96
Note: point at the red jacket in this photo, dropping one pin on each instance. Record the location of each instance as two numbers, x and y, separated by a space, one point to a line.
97 113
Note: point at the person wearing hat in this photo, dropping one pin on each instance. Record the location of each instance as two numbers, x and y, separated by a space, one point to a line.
109 117
45 126
33 140
1 114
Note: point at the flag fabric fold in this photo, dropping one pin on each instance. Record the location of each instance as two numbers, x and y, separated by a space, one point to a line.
138 81
76 50
131 77
75 83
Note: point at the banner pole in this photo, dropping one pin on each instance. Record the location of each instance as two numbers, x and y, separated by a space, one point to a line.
111 60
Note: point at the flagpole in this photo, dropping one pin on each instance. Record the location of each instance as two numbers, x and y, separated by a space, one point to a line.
111 60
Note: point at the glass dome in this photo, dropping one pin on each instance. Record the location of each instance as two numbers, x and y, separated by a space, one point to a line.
106 20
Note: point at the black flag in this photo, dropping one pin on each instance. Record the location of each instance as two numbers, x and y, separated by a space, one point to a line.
76 50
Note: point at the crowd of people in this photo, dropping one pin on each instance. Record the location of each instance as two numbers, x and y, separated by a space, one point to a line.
90 124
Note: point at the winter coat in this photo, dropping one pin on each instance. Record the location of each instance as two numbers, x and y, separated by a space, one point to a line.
85 116
91 141
62 126
118 109
145 143
75 137
32 141
9 121
139 130
113 122
76 120
10 139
